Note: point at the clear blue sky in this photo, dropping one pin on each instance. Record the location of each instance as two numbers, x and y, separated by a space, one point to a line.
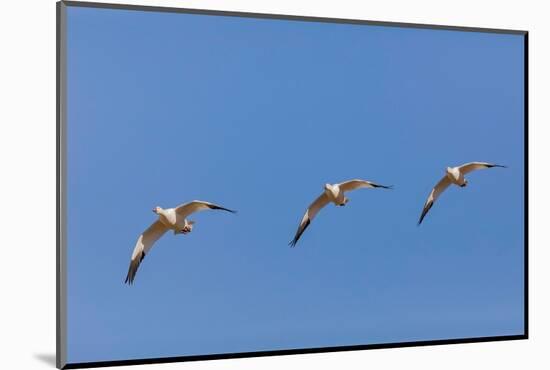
257 115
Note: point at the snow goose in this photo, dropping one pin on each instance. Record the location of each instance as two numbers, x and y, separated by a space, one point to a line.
332 193
168 219
453 175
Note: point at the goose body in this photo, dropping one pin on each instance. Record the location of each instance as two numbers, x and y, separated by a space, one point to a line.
172 220
455 176
335 194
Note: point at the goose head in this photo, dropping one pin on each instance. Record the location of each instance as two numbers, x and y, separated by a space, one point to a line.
157 210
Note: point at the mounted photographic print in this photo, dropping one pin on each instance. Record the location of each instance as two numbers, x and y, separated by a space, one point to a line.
234 184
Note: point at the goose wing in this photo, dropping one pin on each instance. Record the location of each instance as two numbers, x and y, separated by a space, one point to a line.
472 166
436 191
198 205
358 184
144 244
311 211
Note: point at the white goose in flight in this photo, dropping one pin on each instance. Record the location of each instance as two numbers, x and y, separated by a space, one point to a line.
332 193
169 219
453 175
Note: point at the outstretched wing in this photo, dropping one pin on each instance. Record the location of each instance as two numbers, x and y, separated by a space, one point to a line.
436 191
144 244
358 184
472 166
198 205
312 210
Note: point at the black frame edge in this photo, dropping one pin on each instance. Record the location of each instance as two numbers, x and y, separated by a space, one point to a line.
61 268
223 356
526 181
227 13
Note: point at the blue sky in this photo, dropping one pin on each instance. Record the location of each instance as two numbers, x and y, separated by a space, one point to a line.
256 115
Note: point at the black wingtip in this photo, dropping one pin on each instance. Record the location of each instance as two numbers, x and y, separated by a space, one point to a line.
383 186
299 234
129 279
132 270
496 165
425 211
213 206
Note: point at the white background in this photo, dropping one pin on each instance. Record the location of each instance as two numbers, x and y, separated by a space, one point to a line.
27 188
